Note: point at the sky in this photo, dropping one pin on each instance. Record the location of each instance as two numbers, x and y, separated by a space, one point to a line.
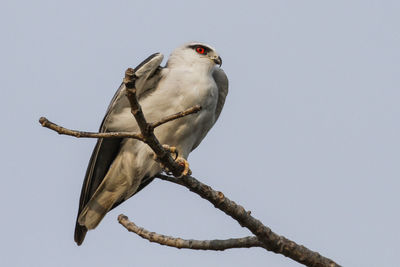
308 139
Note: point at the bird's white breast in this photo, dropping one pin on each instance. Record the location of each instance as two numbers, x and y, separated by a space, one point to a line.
180 90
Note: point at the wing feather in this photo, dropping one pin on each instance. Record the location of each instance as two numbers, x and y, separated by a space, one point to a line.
222 83
105 151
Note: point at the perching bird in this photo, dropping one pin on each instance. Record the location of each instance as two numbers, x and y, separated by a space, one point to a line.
119 168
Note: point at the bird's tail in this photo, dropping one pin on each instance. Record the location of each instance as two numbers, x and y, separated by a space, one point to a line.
121 181
98 206
80 233
111 192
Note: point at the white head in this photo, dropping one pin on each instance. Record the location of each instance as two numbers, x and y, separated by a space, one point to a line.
194 54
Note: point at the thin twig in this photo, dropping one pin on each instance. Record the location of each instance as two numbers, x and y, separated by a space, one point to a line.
79 134
216 244
136 109
178 115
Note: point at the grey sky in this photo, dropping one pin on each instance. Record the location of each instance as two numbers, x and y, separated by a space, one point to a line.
308 139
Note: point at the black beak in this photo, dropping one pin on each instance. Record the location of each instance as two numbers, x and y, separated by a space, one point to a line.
218 61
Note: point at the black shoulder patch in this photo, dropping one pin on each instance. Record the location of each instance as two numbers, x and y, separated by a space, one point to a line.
146 60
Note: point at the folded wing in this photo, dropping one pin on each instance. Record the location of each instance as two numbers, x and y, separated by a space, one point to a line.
222 83
148 74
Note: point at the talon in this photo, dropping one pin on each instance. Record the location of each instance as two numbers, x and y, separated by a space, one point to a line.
171 149
183 162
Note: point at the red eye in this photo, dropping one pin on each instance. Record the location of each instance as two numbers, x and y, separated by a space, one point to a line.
200 50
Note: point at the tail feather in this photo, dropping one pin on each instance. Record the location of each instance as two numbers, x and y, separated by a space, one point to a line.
98 206
121 182
80 233
114 188
81 230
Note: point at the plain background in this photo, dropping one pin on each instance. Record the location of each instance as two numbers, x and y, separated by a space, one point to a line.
308 139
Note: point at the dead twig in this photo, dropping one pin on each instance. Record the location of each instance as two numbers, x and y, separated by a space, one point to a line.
79 134
271 240
146 129
216 244
178 115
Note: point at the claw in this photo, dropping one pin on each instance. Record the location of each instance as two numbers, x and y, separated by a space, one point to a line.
171 149
183 162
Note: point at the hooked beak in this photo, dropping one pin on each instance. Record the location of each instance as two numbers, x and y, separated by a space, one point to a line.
218 61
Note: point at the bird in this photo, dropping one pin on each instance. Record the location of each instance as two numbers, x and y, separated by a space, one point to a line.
120 168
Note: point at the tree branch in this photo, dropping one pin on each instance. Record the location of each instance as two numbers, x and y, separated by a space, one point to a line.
79 134
146 129
271 240
178 115
216 244
268 239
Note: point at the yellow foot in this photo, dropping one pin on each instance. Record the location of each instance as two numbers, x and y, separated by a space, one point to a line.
170 149
183 162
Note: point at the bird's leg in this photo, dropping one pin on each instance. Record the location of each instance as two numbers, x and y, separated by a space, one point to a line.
170 149
181 161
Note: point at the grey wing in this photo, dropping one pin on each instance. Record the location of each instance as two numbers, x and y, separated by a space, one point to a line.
222 83
105 151
148 74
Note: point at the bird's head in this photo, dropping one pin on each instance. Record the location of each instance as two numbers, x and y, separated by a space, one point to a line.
195 54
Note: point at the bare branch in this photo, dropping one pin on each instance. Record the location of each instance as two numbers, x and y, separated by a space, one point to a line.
146 129
216 244
178 115
136 109
79 134
268 239
271 240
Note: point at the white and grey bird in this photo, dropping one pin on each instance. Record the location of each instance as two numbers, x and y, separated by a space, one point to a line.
119 168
